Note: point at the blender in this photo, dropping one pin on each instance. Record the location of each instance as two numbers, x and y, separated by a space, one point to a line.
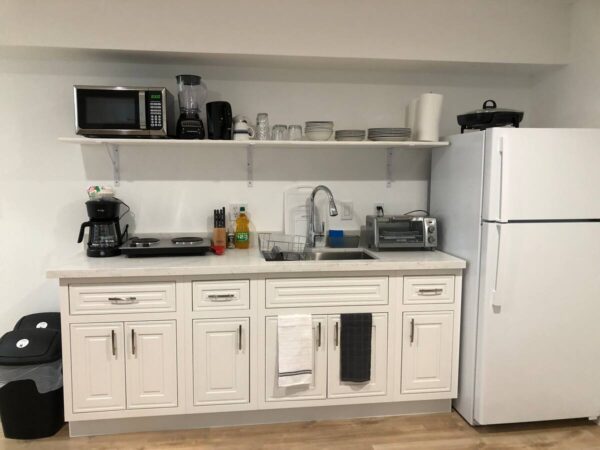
191 95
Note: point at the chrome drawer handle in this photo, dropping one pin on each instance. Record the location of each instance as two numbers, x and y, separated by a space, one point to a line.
436 291
122 300
221 297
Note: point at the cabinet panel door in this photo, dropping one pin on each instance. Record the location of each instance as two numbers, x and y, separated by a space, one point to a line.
314 391
97 367
151 364
427 352
377 385
221 361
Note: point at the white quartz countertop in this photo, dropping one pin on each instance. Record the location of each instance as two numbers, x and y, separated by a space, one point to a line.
235 262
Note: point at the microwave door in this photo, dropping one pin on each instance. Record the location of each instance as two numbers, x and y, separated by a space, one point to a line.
106 112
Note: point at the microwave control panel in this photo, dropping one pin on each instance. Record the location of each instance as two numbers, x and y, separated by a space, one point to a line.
154 102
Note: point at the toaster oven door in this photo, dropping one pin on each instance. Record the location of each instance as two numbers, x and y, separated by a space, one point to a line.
401 234
108 111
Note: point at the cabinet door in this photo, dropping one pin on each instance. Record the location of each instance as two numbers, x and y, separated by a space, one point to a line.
377 385
97 367
151 364
427 352
314 391
221 361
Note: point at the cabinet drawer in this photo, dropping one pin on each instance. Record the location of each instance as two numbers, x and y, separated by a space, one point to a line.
121 298
419 290
211 295
301 292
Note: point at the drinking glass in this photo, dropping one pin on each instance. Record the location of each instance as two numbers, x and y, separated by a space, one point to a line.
263 131
279 133
295 133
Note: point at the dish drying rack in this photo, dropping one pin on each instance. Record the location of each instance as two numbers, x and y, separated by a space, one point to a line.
279 242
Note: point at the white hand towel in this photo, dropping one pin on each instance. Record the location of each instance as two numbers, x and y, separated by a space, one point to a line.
295 349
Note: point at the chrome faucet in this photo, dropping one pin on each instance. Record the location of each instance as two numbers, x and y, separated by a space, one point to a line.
318 231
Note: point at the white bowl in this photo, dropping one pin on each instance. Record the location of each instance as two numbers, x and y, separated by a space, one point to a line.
318 135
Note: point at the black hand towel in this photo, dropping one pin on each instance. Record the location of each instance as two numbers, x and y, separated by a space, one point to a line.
356 347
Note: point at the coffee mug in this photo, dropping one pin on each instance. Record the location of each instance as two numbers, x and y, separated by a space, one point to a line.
219 121
242 131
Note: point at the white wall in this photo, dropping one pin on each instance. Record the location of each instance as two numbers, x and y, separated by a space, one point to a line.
43 182
570 96
503 31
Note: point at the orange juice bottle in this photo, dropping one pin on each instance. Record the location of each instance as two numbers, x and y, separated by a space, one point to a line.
242 230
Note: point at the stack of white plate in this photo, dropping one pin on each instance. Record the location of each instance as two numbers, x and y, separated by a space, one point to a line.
318 130
389 134
350 135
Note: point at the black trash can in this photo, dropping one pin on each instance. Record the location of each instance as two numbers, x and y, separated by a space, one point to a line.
31 387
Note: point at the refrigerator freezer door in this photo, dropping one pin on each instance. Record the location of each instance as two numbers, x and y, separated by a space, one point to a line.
538 350
541 174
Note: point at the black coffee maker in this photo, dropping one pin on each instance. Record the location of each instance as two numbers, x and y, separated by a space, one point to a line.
105 238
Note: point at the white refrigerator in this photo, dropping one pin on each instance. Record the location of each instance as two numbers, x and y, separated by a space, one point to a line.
522 206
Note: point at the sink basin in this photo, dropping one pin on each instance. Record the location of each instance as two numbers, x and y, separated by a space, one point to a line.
317 256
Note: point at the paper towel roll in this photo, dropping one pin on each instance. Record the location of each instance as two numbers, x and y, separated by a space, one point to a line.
427 118
411 113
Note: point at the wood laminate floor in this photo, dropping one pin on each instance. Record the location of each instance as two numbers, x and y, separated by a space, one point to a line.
431 432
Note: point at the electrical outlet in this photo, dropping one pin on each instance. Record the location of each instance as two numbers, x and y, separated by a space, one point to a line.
234 210
377 206
347 210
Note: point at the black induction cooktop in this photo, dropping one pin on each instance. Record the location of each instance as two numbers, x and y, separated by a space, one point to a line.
155 244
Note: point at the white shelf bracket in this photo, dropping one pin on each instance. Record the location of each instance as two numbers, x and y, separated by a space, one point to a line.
113 154
250 166
389 154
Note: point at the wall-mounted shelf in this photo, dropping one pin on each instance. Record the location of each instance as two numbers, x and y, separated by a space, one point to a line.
112 146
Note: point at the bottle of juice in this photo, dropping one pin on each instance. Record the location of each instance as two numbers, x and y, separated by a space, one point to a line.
242 230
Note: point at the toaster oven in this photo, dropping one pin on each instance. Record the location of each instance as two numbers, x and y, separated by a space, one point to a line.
398 232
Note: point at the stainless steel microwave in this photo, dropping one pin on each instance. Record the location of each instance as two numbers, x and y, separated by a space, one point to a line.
396 232
117 111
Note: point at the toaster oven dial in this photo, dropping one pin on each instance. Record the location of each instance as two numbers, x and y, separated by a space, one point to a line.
431 228
431 239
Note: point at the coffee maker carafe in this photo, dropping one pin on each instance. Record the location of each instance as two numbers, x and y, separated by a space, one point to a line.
192 95
105 236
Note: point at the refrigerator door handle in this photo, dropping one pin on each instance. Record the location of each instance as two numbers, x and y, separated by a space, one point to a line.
495 298
502 171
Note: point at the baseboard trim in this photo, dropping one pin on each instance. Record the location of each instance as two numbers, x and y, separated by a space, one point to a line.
227 419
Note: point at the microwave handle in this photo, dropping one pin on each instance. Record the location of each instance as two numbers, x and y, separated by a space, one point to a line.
142 103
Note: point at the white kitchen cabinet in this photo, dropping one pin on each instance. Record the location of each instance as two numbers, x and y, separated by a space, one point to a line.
317 390
377 385
151 364
427 352
97 367
221 361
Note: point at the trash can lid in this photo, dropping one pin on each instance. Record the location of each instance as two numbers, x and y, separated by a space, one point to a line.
50 320
30 346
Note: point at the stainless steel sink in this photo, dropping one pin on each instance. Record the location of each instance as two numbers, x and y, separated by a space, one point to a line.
317 256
